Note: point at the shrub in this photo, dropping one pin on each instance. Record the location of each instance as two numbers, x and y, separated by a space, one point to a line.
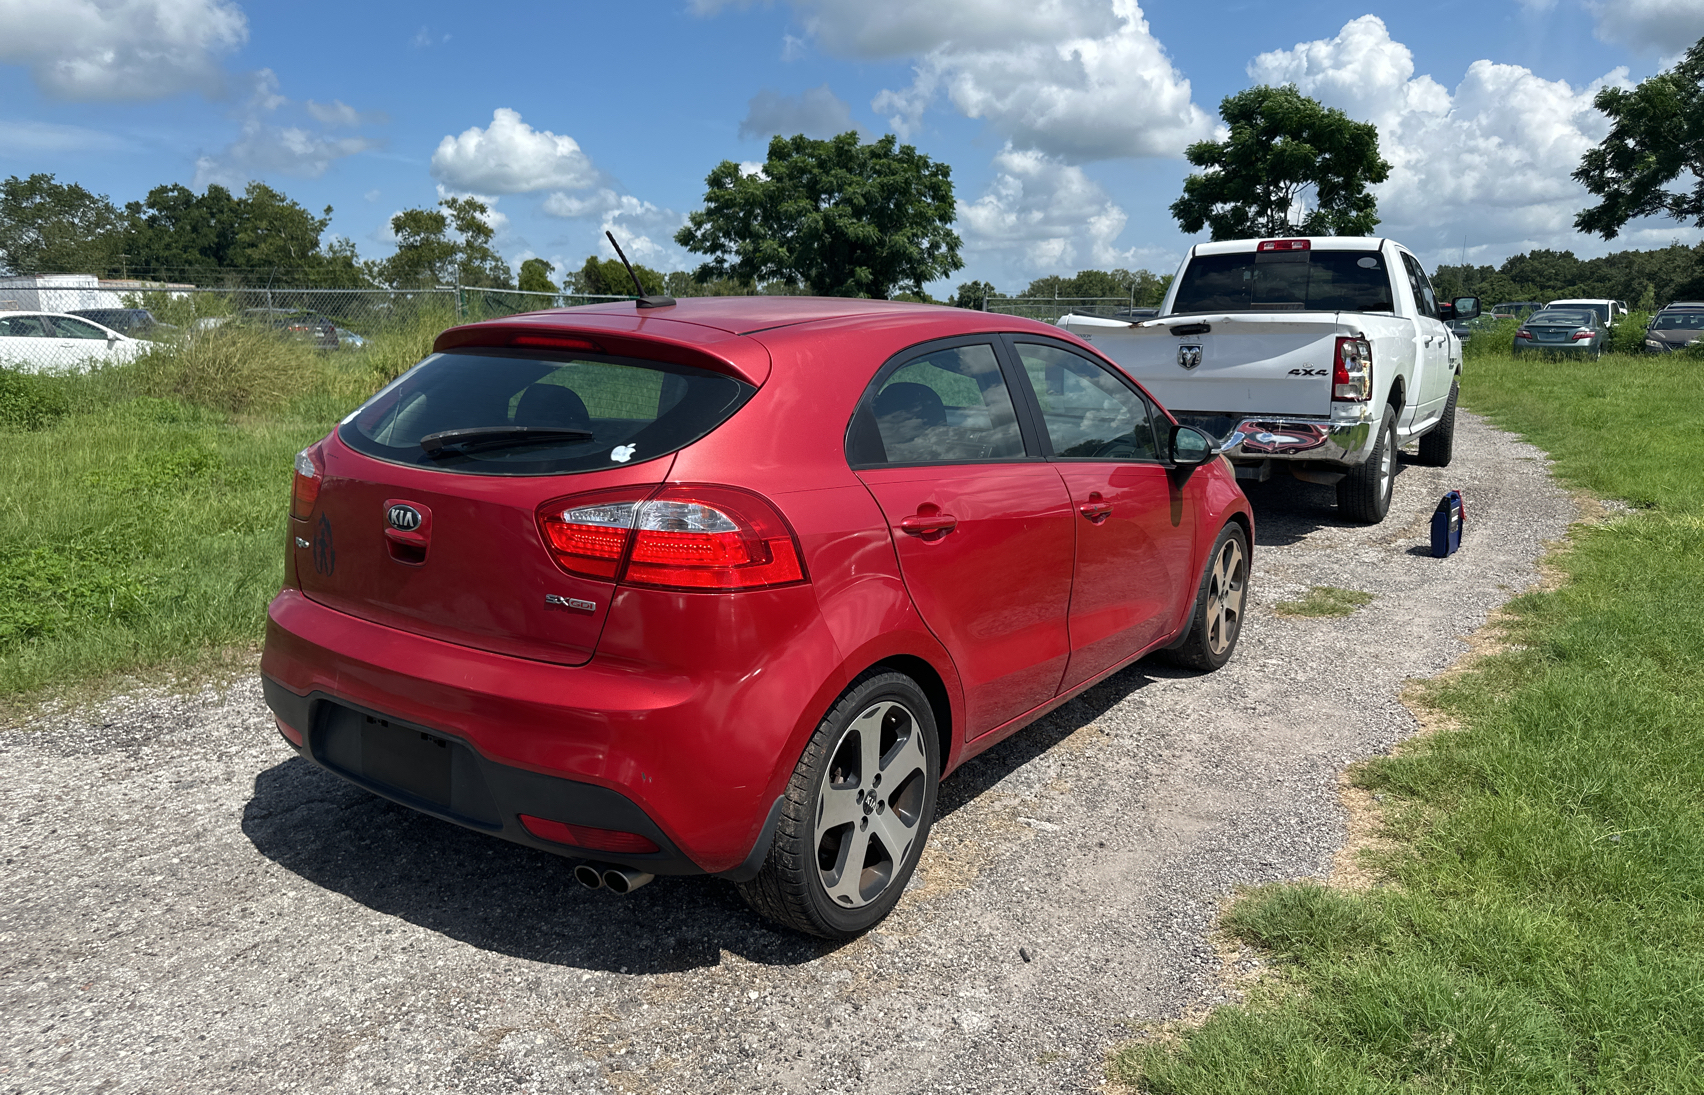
232 368
29 401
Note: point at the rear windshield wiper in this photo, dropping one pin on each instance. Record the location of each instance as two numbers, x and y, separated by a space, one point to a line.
457 442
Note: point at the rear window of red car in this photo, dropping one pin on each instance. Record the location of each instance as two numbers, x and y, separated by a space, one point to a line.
504 412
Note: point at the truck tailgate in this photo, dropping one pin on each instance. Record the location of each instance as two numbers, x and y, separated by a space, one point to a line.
1249 364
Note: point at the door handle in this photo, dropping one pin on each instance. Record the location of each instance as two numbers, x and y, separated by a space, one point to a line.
1095 509
928 524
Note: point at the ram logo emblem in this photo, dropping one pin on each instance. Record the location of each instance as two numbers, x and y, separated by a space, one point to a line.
1189 356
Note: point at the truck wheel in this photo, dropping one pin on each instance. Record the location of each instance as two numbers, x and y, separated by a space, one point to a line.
1437 445
856 813
1218 616
1364 494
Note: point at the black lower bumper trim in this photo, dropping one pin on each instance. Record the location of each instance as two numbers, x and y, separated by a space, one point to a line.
442 775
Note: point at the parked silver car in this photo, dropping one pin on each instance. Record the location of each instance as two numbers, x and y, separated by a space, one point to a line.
1561 331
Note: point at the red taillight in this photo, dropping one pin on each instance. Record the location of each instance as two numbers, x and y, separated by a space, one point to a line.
1578 335
587 836
688 537
307 485
556 342
1352 371
1523 333
1285 245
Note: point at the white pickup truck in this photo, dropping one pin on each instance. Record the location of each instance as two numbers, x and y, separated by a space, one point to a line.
1327 353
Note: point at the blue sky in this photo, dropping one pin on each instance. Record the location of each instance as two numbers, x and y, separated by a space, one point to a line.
1063 120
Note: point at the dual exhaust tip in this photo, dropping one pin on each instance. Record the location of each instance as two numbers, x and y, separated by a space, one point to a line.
604 876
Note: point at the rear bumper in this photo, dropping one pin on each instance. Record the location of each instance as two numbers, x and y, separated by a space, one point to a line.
478 793
1554 349
1344 440
693 761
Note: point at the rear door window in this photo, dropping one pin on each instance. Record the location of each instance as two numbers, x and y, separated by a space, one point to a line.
76 328
945 406
1286 281
22 327
501 412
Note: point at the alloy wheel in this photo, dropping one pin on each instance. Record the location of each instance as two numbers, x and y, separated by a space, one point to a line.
870 804
1225 590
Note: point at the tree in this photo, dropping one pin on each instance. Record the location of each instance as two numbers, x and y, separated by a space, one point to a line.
844 218
178 234
973 294
175 232
1656 136
53 227
440 248
607 277
1283 145
535 277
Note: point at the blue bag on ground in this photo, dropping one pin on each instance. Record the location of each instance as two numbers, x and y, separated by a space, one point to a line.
1447 521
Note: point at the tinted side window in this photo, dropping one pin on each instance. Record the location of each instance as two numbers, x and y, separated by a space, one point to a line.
1423 298
76 328
22 327
947 406
1087 412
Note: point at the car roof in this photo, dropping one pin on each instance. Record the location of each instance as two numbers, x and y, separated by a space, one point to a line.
1315 243
749 315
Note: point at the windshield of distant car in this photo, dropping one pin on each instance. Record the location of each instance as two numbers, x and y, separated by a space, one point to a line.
1560 317
1679 321
1285 281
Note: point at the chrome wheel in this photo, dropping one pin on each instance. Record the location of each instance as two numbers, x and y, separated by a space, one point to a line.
1387 465
1225 589
870 803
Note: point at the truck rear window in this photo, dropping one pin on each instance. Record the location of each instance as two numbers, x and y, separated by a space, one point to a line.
503 412
1286 281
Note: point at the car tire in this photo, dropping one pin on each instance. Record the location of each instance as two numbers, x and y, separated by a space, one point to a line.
1220 601
1364 494
1437 445
868 778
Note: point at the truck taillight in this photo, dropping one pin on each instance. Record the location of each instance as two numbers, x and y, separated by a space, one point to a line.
305 491
1352 371
707 538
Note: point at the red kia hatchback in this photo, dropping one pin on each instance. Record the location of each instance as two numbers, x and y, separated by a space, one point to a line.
727 587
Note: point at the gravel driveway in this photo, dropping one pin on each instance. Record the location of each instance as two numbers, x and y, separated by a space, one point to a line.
185 906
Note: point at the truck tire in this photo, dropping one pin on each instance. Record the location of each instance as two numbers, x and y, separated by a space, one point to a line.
1364 494
1437 445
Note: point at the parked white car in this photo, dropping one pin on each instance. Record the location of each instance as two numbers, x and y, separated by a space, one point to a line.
37 342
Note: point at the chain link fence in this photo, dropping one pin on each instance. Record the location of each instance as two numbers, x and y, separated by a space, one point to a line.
74 329
1049 309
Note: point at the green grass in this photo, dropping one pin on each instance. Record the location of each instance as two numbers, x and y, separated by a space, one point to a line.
1541 923
1324 601
142 509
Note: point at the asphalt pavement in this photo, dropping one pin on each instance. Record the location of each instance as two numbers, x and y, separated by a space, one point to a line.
187 907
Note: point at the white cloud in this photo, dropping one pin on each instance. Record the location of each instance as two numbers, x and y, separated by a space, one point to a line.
818 113
265 147
1489 161
339 113
511 157
1666 27
646 230
1079 79
121 49
425 38
1042 216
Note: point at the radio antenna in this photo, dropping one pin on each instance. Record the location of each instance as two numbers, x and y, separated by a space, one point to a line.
643 301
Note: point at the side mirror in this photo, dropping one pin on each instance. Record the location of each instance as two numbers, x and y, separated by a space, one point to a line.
1466 307
1190 447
